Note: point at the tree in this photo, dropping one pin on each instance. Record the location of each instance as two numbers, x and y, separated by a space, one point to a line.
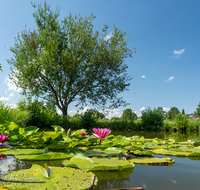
96 114
162 111
183 112
152 120
198 110
128 114
0 68
67 61
172 113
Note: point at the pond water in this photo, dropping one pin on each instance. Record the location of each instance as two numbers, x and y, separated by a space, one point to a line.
184 174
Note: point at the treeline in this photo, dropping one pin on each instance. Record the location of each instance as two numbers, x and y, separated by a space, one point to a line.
44 115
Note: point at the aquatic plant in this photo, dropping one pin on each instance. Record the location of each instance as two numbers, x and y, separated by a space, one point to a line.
3 138
83 134
101 133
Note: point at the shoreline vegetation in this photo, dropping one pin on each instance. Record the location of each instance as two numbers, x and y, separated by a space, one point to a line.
43 116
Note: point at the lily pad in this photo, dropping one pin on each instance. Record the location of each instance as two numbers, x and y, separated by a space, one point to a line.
94 164
47 156
23 152
151 160
113 151
55 178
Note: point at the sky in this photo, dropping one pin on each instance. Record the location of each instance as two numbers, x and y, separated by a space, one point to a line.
164 69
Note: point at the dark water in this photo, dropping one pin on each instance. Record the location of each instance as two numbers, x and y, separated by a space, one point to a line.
184 174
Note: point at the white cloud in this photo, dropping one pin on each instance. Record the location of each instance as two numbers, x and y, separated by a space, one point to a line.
84 110
113 113
4 98
166 109
108 36
141 109
178 53
11 95
13 105
170 78
11 85
143 76
138 113
6 92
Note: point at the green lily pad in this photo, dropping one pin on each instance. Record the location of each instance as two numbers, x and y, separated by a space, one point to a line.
47 156
113 174
151 160
52 179
113 151
94 164
23 152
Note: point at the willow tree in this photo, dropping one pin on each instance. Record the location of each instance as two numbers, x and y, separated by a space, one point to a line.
67 61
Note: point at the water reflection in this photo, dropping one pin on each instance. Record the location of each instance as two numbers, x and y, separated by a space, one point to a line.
12 164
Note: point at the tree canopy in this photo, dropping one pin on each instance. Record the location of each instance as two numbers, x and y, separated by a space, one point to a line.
67 61
172 113
198 110
128 114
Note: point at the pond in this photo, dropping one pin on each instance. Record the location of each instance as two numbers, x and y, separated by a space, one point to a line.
183 174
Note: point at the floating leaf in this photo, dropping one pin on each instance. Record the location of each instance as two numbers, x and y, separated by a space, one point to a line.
95 164
47 156
37 178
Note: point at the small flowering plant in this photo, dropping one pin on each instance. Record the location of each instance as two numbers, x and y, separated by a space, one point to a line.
3 138
101 133
2 157
83 134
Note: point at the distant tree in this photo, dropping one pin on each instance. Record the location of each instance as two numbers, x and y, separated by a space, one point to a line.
96 114
152 120
195 113
172 113
87 120
0 68
69 62
128 114
162 111
115 118
198 110
183 112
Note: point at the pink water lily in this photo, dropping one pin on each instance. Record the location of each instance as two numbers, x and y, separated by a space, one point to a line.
2 157
3 138
83 134
101 133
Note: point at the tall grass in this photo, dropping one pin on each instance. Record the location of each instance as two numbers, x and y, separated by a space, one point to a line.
7 113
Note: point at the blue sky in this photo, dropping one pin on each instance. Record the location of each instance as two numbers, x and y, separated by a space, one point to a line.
165 68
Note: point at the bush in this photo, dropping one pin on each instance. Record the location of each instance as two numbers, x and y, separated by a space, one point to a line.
87 120
152 120
181 122
42 116
7 113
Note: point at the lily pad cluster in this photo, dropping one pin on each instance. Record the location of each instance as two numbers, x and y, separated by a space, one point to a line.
83 155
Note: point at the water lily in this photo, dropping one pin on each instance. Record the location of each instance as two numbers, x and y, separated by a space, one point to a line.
101 133
2 157
83 134
3 138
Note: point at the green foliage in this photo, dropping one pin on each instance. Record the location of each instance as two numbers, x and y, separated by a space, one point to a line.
181 122
128 114
66 61
198 109
172 113
88 121
42 116
7 113
152 120
0 68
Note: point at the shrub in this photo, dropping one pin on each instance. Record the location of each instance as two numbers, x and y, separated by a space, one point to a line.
181 122
152 120
87 120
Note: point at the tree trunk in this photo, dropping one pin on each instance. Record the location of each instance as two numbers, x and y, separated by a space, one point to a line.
64 112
